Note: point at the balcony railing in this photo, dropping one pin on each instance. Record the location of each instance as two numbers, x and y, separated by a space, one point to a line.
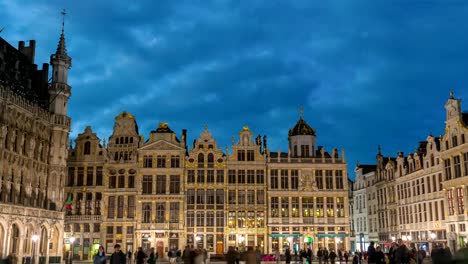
83 218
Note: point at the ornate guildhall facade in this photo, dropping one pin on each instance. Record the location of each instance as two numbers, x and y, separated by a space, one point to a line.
159 193
420 197
34 130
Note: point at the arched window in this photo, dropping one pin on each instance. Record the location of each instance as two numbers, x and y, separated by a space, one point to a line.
201 160
210 160
87 148
131 140
147 213
15 236
126 140
44 241
117 141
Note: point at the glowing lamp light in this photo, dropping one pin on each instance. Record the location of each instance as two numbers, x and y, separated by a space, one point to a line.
433 236
72 239
34 238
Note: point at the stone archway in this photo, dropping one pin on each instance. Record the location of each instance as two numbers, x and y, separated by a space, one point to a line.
54 249
43 242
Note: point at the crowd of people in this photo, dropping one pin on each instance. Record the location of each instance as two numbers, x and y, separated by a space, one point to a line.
398 253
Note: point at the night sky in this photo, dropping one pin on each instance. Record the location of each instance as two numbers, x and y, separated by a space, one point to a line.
366 73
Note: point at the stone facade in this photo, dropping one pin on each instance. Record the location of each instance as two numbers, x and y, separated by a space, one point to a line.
159 193
421 197
33 150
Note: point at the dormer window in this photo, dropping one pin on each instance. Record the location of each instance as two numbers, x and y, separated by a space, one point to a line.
454 141
87 148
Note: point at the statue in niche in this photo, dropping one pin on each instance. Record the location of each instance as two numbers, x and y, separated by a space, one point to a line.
3 134
12 140
22 139
32 145
39 150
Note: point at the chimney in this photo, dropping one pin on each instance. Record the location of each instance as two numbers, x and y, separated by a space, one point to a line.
29 51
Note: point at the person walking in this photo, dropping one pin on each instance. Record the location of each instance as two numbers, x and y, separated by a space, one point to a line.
250 256
118 257
186 255
346 256
319 255
332 256
277 256
153 257
140 256
325 256
100 257
287 255
310 255
379 256
231 256
391 253
371 258
421 255
401 253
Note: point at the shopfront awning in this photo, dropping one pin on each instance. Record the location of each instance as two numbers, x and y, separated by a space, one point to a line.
284 235
331 235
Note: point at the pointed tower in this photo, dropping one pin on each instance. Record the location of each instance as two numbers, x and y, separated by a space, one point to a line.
302 139
59 90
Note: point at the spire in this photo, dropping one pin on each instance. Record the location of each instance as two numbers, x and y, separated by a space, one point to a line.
301 111
380 150
61 49
451 95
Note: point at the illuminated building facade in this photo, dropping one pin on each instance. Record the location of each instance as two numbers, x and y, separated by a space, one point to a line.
34 130
158 193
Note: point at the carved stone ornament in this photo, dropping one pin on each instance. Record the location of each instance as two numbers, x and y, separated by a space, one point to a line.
307 182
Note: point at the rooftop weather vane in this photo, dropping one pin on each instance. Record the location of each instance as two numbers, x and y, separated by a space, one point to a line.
63 18
301 111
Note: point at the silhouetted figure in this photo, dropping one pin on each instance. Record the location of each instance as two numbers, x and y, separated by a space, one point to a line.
140 257
287 255
231 256
118 257
371 258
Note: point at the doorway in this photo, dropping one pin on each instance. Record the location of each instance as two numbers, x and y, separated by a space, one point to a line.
160 248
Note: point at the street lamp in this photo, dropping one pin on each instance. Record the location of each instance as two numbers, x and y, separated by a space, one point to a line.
72 240
34 239
393 238
404 237
408 237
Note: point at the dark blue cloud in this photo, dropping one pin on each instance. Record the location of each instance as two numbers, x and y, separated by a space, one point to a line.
366 73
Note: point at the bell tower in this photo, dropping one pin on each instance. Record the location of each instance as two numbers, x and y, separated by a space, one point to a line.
453 110
59 90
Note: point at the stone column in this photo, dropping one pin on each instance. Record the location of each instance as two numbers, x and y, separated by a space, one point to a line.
19 255
7 239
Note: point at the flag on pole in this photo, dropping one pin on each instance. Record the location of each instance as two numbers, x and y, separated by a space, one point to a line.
68 202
